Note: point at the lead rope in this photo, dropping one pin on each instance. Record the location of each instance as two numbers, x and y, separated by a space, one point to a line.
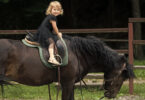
103 87
81 89
58 88
80 78
102 97
49 92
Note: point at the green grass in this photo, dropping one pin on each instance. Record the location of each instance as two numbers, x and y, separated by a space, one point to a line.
140 73
88 94
138 90
22 92
139 62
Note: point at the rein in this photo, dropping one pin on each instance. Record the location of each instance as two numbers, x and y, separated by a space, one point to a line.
58 88
49 92
80 77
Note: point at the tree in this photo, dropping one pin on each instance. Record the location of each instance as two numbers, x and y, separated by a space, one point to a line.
137 28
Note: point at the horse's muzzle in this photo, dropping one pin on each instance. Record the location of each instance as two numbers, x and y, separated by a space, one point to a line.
109 94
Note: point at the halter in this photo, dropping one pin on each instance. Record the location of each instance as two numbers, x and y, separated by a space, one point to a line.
120 72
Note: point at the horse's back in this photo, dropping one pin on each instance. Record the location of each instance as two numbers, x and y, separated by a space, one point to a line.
5 47
22 63
5 43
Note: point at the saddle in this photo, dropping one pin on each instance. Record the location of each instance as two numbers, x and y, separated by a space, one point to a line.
60 51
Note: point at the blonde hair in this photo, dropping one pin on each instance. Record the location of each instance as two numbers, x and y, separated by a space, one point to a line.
54 4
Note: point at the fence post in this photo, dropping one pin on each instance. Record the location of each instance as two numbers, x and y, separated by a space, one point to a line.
130 47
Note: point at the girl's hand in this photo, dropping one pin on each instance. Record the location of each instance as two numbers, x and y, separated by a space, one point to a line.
59 34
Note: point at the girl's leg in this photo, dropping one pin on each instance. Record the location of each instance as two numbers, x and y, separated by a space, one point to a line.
51 53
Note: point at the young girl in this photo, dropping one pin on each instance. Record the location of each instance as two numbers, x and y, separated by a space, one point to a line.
45 35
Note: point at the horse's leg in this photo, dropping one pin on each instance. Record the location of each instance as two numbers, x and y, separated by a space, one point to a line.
67 91
72 94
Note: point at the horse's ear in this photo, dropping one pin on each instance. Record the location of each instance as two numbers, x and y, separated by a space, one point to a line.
124 58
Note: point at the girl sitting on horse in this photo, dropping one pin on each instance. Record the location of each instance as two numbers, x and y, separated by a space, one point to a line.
48 32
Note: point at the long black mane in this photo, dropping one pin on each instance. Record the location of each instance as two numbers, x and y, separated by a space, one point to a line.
92 48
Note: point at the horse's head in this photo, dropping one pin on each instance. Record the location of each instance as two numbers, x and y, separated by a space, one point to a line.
113 80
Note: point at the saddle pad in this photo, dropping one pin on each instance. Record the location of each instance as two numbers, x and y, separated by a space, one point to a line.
49 65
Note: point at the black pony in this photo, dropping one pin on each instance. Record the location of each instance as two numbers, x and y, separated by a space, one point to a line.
22 64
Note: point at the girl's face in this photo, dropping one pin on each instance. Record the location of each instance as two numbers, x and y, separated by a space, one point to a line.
55 11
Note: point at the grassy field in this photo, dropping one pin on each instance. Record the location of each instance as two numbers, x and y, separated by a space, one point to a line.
139 62
22 92
139 72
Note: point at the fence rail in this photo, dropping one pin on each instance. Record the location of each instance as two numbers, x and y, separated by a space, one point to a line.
136 20
101 76
78 31
71 31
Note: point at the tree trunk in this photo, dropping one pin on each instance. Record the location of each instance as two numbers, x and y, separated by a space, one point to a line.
137 29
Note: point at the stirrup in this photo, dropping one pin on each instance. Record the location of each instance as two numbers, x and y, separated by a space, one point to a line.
54 61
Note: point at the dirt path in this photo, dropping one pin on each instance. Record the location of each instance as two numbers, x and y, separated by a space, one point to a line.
131 97
94 82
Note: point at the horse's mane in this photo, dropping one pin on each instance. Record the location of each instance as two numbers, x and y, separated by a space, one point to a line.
94 49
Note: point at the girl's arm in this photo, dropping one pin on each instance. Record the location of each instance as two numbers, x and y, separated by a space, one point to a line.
55 28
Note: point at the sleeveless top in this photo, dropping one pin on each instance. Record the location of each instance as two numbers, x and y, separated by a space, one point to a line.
45 31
